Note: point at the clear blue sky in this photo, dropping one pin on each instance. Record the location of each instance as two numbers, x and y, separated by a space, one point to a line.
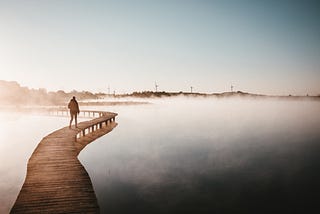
269 47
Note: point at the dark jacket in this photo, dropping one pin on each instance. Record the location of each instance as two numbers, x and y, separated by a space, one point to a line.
73 106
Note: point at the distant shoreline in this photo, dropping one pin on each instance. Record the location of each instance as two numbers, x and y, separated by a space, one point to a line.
12 94
150 94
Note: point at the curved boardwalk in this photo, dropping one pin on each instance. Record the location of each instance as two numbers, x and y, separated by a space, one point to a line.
56 182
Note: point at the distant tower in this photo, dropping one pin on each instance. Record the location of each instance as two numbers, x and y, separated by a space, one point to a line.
156 86
191 89
231 88
108 89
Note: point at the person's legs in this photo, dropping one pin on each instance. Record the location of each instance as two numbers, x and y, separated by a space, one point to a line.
71 119
75 119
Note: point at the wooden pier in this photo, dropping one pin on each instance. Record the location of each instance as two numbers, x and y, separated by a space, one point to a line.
56 182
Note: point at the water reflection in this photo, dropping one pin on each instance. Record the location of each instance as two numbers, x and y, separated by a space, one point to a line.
206 156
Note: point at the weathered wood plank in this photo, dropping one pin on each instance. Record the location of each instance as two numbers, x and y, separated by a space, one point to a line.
56 182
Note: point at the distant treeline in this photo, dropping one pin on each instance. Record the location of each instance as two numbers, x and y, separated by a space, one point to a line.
160 94
150 94
11 93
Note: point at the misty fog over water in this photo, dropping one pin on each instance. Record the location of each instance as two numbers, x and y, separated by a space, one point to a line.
185 155
208 155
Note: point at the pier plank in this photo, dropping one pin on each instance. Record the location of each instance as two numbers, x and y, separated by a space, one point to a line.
56 181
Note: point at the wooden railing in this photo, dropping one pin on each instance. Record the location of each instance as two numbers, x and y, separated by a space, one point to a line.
96 124
102 120
83 113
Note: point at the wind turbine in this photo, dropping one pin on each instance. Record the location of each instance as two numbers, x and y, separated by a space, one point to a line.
156 86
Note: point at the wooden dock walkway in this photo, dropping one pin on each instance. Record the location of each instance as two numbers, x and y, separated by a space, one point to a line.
56 182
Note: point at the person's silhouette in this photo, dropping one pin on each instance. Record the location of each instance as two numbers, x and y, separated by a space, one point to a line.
74 111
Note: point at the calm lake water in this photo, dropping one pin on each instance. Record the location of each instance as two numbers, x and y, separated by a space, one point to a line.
187 156
209 156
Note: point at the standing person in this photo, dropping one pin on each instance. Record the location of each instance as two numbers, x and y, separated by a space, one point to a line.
74 110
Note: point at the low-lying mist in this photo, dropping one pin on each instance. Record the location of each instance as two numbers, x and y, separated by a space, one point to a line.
208 155
185 155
